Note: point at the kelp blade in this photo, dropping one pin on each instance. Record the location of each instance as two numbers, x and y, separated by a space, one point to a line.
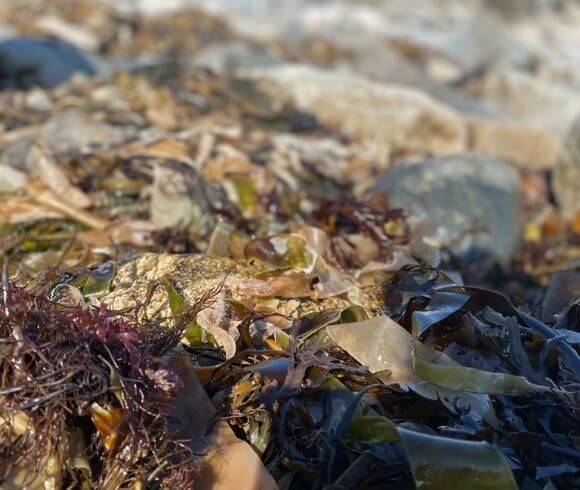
441 463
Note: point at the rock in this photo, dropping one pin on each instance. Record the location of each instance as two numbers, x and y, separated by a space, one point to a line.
515 143
532 101
72 129
408 120
566 176
25 63
194 276
472 203
564 288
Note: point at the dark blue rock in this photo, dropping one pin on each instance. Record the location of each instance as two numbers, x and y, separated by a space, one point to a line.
25 63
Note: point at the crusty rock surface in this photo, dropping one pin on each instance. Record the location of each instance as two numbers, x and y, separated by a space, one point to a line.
138 282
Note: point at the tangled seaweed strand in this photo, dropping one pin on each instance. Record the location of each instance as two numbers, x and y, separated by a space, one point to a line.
82 400
346 215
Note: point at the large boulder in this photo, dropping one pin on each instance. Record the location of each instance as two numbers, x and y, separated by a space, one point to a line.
406 119
137 286
469 204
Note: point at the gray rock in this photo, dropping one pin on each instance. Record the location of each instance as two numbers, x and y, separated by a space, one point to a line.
566 177
471 204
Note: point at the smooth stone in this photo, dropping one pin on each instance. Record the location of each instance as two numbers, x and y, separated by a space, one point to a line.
469 203
26 63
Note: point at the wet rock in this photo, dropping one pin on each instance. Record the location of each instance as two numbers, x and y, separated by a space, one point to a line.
406 119
566 176
515 143
471 203
25 63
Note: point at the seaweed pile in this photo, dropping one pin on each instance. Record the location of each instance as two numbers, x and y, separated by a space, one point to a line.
70 374
226 262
